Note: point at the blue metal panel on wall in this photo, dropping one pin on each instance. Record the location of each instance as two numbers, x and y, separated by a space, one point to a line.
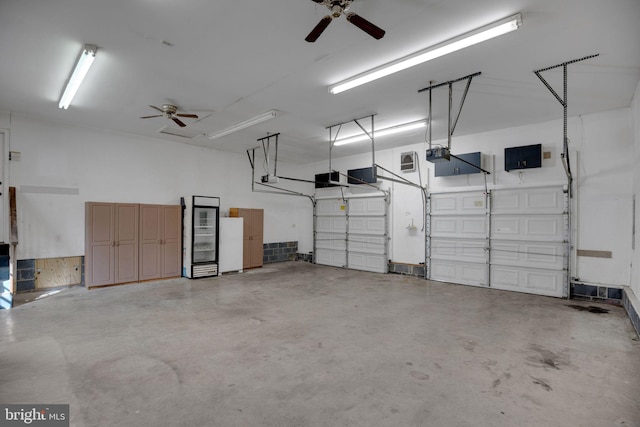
457 167
524 157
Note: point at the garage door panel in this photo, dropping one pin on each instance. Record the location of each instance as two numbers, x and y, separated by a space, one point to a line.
549 228
459 272
460 226
459 250
368 206
526 254
367 225
368 244
521 239
352 233
544 200
458 203
331 241
331 257
368 262
331 224
330 207
535 281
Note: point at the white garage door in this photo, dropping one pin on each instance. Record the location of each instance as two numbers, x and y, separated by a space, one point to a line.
331 233
352 233
457 238
516 242
529 235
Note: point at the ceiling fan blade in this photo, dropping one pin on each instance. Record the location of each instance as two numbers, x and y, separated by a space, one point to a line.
366 26
322 25
318 1
192 116
178 121
156 108
148 117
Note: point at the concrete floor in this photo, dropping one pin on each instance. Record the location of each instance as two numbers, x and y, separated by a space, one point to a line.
295 344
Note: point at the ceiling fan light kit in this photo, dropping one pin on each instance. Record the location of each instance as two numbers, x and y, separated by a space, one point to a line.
245 124
170 112
87 56
462 41
338 8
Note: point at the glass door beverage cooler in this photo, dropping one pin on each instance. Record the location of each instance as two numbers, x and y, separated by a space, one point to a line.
202 221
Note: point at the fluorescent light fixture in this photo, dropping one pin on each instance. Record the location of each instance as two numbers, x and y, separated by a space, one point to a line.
383 132
476 36
243 125
79 72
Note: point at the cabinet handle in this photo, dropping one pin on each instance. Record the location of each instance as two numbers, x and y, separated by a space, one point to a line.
159 241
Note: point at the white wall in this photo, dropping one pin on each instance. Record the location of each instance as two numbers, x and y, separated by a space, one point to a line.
601 152
604 173
111 167
635 108
123 168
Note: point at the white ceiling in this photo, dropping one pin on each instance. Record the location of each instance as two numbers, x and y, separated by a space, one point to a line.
228 61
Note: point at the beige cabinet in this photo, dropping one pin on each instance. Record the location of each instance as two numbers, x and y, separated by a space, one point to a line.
160 247
252 248
111 243
131 242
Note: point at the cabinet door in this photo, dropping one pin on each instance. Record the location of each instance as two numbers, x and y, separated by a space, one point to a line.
257 238
99 244
171 246
457 167
252 236
126 241
246 237
150 241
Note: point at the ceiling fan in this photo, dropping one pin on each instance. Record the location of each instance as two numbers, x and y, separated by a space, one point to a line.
337 8
170 112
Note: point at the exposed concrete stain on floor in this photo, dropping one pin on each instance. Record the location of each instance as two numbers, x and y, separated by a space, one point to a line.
135 369
548 359
470 345
489 364
531 399
590 309
419 375
254 321
542 383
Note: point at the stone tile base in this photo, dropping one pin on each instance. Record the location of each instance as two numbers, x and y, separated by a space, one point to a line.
612 295
279 252
308 257
408 269
632 306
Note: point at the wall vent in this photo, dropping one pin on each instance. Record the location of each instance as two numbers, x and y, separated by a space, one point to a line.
408 161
